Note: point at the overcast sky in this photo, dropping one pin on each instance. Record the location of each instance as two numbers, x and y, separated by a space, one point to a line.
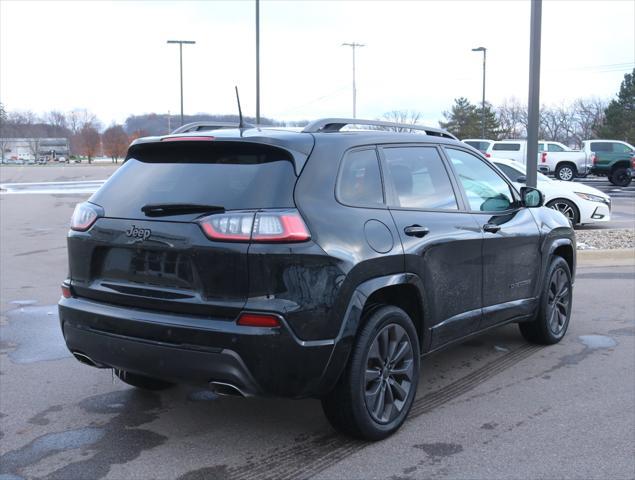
112 57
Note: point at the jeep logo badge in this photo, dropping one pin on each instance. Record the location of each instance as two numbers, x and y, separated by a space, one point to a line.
138 233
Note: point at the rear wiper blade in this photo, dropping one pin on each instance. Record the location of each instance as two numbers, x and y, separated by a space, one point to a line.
163 209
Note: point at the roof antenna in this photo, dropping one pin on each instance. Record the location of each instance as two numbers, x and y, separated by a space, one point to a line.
240 112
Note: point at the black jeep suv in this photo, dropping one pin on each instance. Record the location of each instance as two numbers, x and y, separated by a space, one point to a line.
322 263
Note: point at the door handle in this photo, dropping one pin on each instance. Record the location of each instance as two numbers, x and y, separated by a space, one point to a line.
416 231
491 227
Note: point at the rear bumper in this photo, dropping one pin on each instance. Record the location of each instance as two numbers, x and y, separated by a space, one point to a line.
198 350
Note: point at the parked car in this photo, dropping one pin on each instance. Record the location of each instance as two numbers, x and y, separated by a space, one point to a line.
316 264
480 144
611 158
578 202
553 157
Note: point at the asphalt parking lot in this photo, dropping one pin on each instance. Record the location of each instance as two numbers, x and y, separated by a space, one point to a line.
494 407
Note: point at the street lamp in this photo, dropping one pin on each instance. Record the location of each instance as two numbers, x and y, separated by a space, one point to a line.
353 46
484 50
181 42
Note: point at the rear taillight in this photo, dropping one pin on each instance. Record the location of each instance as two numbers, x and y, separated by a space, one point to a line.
83 217
258 320
594 159
543 157
487 155
633 162
66 291
275 226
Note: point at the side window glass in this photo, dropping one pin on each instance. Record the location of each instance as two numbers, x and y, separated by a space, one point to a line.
359 182
600 147
419 178
486 190
555 148
621 148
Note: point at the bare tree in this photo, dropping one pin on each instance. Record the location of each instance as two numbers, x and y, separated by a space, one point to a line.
78 119
56 119
589 114
34 146
405 117
512 116
89 140
115 142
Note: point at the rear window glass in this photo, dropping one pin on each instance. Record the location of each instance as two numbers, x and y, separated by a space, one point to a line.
233 176
507 147
480 146
359 182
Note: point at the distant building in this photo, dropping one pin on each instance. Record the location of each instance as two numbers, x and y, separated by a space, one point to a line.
34 149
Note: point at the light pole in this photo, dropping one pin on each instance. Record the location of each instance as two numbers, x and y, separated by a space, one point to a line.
257 62
181 42
484 50
353 46
533 110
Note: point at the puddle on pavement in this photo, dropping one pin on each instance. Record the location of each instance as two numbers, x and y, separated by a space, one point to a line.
202 396
47 445
33 334
597 341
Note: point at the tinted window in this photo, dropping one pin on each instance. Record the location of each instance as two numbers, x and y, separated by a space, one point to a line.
234 176
419 178
485 188
507 147
552 147
601 147
360 181
511 173
621 148
480 146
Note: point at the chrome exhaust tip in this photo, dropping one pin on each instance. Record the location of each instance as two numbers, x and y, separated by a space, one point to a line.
226 389
86 360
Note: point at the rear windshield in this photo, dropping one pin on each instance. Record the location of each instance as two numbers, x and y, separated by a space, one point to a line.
230 175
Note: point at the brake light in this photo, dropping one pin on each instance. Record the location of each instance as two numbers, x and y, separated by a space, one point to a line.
258 320
263 227
487 155
186 139
66 291
83 217
543 157
633 162
594 159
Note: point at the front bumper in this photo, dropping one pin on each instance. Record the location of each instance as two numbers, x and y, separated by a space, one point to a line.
198 350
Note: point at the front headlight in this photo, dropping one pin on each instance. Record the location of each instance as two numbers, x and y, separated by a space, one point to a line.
591 198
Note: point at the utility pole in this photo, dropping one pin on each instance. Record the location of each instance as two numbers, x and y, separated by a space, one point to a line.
484 50
181 42
257 62
353 46
533 113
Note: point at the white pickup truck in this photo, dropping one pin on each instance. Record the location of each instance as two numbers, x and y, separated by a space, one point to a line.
553 157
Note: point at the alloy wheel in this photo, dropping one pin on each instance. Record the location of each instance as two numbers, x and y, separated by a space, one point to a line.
565 173
559 301
565 209
389 372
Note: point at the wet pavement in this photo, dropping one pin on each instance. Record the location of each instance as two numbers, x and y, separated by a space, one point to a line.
493 407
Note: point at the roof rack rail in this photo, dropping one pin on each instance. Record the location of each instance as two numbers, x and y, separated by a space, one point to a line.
336 124
209 125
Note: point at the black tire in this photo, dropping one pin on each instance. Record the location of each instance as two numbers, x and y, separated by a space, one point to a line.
373 396
567 208
554 311
566 172
620 177
141 381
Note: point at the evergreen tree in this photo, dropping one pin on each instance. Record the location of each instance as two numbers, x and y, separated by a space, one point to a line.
619 121
464 120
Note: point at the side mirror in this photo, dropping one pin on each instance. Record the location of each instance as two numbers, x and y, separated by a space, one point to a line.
531 197
521 179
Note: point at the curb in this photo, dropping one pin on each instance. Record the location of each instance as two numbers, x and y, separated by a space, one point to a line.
615 258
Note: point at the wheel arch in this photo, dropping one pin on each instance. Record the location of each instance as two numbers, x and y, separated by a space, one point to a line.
619 164
565 248
575 205
404 290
